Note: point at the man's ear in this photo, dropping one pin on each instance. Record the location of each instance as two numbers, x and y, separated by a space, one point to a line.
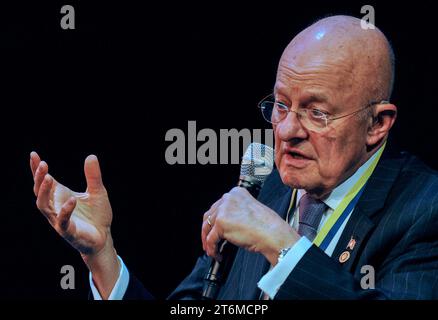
384 115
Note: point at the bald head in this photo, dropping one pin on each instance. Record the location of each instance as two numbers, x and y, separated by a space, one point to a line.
363 57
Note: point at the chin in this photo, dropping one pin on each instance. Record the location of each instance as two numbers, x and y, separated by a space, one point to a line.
299 179
291 179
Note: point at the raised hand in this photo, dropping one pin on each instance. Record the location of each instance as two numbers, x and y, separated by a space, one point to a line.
83 219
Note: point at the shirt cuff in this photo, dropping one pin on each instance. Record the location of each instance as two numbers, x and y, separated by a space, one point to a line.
120 286
271 282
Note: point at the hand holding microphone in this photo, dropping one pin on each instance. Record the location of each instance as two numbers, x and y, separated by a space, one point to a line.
243 221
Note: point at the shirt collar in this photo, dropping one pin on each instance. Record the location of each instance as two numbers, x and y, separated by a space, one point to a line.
338 193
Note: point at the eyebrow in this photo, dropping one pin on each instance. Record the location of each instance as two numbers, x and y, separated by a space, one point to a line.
311 97
316 96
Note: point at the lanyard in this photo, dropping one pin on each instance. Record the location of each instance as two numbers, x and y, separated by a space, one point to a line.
341 212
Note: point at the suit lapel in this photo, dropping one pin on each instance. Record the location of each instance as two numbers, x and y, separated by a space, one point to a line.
356 231
367 212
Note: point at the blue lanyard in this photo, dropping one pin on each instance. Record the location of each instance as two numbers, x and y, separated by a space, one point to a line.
331 234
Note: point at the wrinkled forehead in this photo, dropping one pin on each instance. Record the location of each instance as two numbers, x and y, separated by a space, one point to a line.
315 76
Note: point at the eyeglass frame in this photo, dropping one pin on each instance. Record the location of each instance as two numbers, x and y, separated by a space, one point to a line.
326 119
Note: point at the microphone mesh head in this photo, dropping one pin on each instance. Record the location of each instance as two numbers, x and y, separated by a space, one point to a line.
257 162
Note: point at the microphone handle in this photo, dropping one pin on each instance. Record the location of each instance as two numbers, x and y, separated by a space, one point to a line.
218 271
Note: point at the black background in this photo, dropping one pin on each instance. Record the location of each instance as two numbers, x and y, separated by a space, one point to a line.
127 74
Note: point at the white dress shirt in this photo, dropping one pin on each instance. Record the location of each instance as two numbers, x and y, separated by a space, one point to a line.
271 282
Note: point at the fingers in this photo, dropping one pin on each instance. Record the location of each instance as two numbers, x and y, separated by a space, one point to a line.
38 178
240 193
34 162
206 228
43 199
93 174
212 241
47 209
65 213
212 209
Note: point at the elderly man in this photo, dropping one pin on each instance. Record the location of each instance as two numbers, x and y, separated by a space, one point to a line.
339 203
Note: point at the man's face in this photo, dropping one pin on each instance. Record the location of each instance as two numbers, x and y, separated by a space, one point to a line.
318 161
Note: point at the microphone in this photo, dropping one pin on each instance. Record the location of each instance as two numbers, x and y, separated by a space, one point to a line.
257 164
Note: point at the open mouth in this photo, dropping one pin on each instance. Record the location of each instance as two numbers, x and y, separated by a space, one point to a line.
297 155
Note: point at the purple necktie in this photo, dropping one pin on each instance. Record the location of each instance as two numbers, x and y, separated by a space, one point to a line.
311 211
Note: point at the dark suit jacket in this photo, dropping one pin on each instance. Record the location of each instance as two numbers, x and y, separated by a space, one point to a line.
395 225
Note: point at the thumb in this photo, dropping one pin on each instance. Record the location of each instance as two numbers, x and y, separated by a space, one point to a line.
92 174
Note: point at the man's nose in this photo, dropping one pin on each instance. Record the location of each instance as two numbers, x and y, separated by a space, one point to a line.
291 128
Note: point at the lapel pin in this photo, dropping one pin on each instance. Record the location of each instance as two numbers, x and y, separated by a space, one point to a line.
351 243
344 256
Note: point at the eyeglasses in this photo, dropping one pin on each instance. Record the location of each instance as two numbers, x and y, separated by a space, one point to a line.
310 118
